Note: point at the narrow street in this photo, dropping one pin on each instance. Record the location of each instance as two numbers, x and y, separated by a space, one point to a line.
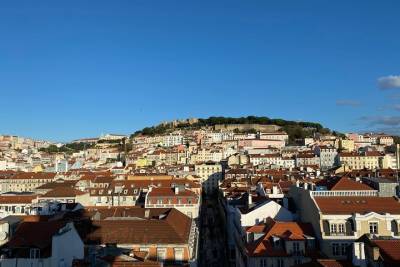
212 237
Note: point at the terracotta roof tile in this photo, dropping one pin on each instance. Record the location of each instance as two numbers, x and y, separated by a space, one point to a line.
173 228
349 205
63 192
389 250
18 199
284 230
166 191
342 183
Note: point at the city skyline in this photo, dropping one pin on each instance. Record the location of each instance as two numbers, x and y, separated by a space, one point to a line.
73 71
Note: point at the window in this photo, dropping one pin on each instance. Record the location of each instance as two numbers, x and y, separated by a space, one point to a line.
279 262
263 262
34 253
339 249
144 250
161 254
335 249
373 228
333 228
341 228
178 254
296 247
343 248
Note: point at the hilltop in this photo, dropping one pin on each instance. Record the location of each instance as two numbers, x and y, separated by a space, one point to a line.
295 129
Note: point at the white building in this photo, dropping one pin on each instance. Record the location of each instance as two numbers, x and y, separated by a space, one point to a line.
327 156
172 140
252 216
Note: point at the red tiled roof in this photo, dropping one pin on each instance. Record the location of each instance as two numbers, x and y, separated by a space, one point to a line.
155 182
389 250
349 205
33 175
342 183
63 192
174 228
35 234
167 191
53 185
284 230
18 199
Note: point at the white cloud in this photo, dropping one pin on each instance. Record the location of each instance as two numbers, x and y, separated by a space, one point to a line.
389 82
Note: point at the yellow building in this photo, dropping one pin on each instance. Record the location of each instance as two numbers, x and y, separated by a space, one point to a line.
149 177
38 168
347 145
368 160
345 219
344 211
142 162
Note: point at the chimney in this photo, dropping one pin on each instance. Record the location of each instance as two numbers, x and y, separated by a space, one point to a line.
250 199
297 183
306 186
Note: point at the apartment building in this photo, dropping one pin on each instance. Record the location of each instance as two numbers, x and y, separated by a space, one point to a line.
266 159
276 243
327 156
25 181
385 140
343 211
164 235
172 140
178 197
281 136
16 204
358 161
346 145
307 159
210 174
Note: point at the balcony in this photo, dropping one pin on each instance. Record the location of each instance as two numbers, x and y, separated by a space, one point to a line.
359 193
339 234
336 235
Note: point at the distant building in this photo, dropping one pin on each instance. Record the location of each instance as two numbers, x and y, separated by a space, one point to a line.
210 174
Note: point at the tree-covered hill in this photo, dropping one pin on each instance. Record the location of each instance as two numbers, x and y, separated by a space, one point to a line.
295 129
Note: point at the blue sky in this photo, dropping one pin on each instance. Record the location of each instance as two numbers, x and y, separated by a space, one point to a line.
71 69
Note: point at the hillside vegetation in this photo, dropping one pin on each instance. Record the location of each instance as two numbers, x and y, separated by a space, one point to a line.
295 129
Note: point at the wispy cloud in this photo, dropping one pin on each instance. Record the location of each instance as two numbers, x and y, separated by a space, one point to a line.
396 107
381 120
387 130
348 102
389 107
389 82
